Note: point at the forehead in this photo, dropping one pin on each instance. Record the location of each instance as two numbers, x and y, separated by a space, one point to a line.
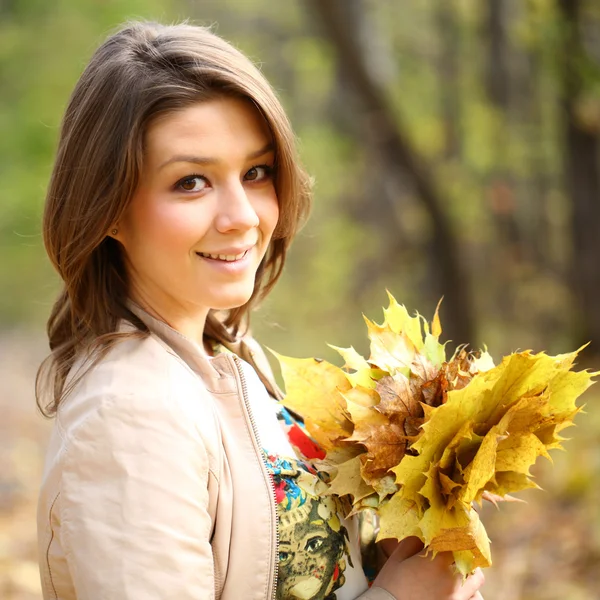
219 128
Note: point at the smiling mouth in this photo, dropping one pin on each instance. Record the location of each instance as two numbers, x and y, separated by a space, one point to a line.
223 257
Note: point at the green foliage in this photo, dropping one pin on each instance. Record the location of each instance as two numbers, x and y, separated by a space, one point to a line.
368 230
43 48
502 186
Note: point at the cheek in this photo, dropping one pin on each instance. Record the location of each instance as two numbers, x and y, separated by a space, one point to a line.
164 227
269 212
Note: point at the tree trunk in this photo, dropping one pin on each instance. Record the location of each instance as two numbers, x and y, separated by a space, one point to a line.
449 74
501 186
582 180
497 79
395 146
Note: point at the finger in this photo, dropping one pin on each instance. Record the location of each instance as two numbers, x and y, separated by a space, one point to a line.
473 583
478 576
406 548
388 546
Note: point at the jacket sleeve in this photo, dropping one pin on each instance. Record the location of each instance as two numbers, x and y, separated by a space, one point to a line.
133 504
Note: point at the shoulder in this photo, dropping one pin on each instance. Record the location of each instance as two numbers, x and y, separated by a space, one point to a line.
138 375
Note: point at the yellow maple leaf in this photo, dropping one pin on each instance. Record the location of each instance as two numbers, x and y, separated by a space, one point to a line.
399 518
359 371
396 317
314 390
455 529
390 351
484 439
421 438
348 481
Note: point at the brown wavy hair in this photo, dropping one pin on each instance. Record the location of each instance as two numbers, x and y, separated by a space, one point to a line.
142 71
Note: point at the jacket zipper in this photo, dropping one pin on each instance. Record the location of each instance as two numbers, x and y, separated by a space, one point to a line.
264 462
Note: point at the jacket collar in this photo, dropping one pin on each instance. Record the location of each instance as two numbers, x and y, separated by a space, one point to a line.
211 369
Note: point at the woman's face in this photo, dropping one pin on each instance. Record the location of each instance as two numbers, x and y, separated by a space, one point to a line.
204 212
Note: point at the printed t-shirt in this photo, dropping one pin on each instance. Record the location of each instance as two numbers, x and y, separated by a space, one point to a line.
319 551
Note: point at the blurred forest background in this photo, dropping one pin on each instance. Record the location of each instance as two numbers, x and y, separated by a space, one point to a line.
455 148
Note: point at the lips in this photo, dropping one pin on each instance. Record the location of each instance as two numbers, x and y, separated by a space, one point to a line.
231 254
223 256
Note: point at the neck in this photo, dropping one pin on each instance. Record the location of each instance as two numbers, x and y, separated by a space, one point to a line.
189 321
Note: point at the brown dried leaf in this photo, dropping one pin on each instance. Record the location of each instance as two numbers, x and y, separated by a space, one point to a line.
397 398
385 443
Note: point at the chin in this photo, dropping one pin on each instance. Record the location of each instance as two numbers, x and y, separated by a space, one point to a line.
230 301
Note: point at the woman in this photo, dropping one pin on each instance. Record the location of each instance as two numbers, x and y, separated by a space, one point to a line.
175 195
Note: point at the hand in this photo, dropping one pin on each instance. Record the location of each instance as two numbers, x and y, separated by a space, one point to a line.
412 576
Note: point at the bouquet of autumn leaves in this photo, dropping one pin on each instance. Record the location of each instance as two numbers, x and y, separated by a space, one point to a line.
420 438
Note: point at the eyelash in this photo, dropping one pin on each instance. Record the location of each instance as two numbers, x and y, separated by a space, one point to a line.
269 171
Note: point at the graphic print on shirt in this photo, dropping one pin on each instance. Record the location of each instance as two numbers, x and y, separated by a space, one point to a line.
313 543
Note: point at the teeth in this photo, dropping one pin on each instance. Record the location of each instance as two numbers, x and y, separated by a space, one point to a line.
225 257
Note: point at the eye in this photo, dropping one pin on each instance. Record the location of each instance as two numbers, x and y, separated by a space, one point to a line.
259 173
192 183
314 544
284 557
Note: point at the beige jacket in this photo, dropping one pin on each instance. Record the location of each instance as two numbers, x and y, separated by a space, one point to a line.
154 485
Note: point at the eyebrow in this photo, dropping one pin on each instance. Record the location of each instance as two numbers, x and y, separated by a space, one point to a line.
207 160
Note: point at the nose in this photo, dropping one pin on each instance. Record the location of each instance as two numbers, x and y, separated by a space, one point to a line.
235 209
